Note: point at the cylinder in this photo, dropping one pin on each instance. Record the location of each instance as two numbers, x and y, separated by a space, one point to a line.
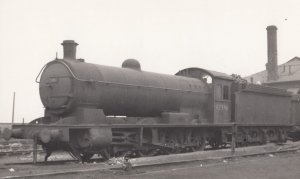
7 134
12 133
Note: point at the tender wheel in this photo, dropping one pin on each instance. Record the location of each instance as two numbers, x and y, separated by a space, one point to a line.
214 143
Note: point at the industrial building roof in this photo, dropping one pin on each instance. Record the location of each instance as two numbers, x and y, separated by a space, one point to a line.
287 72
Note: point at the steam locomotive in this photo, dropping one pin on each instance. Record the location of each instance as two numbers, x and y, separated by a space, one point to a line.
94 109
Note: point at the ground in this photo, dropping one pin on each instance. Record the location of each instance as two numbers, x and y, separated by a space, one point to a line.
206 164
270 167
280 166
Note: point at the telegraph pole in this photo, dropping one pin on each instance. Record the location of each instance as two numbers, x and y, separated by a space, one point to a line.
13 110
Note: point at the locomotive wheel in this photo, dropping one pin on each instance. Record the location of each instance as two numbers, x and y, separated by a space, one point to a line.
189 149
79 154
177 150
174 140
75 156
214 143
105 154
148 153
198 141
48 153
264 136
86 157
199 147
120 153
82 157
281 136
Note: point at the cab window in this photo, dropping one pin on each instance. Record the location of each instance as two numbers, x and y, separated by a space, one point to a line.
222 92
218 91
226 92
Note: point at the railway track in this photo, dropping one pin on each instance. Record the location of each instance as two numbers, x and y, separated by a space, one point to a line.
17 152
143 164
59 161
53 162
16 147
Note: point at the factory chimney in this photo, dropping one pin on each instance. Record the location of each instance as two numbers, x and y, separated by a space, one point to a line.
271 65
69 49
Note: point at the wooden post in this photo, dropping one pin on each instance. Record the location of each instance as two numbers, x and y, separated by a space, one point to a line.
34 147
141 136
233 137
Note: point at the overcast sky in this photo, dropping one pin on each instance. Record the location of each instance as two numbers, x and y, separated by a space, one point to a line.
164 35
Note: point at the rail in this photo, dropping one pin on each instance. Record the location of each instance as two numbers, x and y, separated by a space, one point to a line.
158 162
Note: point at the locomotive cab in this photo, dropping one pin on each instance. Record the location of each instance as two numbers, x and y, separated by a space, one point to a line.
219 105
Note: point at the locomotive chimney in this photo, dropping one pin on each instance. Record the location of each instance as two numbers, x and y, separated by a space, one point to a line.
69 49
271 65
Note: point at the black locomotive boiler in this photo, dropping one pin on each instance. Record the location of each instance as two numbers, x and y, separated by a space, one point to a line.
94 109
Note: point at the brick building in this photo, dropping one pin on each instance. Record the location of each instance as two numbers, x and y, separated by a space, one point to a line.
286 76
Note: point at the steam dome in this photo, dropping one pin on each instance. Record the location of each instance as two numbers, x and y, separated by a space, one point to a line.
132 64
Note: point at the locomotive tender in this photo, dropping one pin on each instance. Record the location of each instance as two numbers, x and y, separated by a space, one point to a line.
94 109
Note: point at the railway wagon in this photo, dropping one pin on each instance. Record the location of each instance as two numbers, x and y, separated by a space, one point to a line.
95 109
